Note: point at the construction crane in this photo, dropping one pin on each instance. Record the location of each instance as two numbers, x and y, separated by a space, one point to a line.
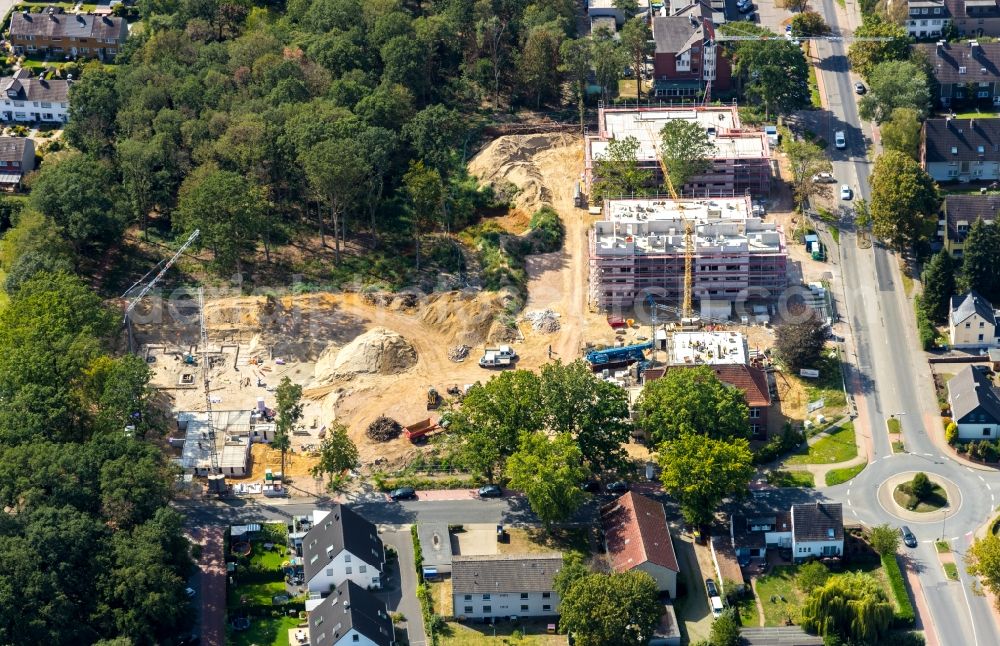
145 290
210 424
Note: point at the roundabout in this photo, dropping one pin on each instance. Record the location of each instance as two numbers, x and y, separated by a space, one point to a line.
889 498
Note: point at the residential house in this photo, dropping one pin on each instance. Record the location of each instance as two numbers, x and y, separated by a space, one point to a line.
975 404
72 35
811 530
598 9
637 538
687 59
926 18
779 636
957 215
962 150
504 585
972 322
752 381
17 157
27 99
929 18
341 546
966 72
350 615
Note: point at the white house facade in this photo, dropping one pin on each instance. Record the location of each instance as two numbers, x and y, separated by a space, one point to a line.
975 404
505 585
31 100
341 546
972 322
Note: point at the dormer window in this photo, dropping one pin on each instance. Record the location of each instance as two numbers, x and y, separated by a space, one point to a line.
12 94
980 149
954 150
962 69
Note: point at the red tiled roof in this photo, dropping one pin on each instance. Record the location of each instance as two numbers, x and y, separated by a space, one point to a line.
752 381
635 528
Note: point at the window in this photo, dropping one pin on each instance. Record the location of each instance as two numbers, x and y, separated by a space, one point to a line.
954 150
754 413
347 558
983 94
362 569
355 637
468 597
468 609
986 432
524 595
347 569
546 607
486 597
962 69
524 607
329 571
980 337
487 609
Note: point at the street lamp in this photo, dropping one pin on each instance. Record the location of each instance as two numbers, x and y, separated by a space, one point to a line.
944 519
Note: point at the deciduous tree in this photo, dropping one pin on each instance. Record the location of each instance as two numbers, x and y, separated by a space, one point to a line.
337 455
812 575
805 160
576 65
617 171
773 72
619 609
637 43
809 23
609 59
538 63
800 344
980 271
884 539
289 400
852 606
904 200
726 629
549 472
692 401
901 131
939 286
686 151
983 560
865 55
895 84
699 472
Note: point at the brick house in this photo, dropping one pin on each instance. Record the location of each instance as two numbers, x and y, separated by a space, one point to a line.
72 35
686 57
966 72
753 382
637 538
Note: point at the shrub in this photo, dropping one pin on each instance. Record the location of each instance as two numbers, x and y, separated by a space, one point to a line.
388 484
788 440
812 575
418 554
946 421
921 486
547 230
904 616
925 330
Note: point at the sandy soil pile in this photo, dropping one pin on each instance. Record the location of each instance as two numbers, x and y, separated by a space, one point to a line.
378 351
514 159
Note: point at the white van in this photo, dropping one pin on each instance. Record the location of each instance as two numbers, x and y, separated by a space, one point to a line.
839 139
716 606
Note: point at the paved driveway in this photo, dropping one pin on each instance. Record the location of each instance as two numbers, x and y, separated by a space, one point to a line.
400 584
211 584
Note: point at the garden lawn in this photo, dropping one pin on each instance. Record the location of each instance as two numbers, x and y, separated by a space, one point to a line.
263 631
267 559
257 593
839 476
780 583
456 634
536 541
747 607
838 446
791 478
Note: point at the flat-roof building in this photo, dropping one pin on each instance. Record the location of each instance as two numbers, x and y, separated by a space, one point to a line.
639 249
741 161
235 430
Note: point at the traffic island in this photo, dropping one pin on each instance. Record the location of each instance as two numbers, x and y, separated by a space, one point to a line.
892 500
921 494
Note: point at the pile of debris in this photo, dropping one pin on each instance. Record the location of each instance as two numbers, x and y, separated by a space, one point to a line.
384 429
545 321
378 351
459 353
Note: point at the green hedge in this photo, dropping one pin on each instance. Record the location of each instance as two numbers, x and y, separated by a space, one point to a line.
418 554
905 616
925 330
388 484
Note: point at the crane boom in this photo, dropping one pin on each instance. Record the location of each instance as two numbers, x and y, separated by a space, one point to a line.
145 290
205 378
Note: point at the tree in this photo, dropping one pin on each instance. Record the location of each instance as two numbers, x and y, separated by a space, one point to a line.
812 575
901 131
289 399
636 42
137 160
904 200
865 55
692 400
335 169
617 171
594 412
699 472
77 193
686 151
608 59
125 397
796 5
628 7
337 454
227 208
884 539
980 272
773 71
93 107
434 133
726 629
572 571
549 472
921 486
539 63
939 285
800 345
895 84
983 560
852 606
425 190
806 159
492 417
809 23
619 609
576 65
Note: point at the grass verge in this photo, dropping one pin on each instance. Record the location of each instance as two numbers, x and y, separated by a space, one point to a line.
838 446
951 571
898 447
894 426
840 476
791 478
942 547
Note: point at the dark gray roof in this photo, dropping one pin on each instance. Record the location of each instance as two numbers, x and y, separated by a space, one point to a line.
12 148
971 391
974 9
965 305
946 60
348 607
26 88
496 573
435 543
970 139
968 209
821 521
779 636
62 25
677 33
747 538
341 529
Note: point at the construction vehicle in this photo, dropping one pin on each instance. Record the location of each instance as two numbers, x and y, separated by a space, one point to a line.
624 354
503 355
420 430
433 399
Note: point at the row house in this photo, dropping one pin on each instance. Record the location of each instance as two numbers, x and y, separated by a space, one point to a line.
957 215
966 72
17 158
961 150
73 35
929 18
32 100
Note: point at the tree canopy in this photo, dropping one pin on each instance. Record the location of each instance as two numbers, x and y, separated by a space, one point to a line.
983 560
980 272
904 200
692 400
686 151
699 472
619 609
852 606
800 344
939 286
892 85
865 55
549 472
617 171
773 72
901 131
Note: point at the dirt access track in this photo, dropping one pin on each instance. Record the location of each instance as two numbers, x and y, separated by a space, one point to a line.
306 331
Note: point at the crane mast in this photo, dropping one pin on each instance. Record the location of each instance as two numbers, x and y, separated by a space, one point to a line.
206 380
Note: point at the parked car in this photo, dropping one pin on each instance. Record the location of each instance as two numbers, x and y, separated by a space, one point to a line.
824 178
490 491
716 606
908 538
591 486
713 590
845 192
746 8
860 88
619 486
189 592
403 493
840 139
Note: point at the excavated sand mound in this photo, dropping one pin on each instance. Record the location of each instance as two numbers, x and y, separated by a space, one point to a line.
511 158
378 351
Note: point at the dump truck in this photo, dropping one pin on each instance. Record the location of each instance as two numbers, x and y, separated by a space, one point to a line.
421 429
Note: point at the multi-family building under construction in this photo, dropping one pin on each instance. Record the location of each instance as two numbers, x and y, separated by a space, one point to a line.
741 160
638 248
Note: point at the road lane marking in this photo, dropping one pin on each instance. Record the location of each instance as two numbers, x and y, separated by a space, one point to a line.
930 455
969 469
954 539
886 457
988 487
982 478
